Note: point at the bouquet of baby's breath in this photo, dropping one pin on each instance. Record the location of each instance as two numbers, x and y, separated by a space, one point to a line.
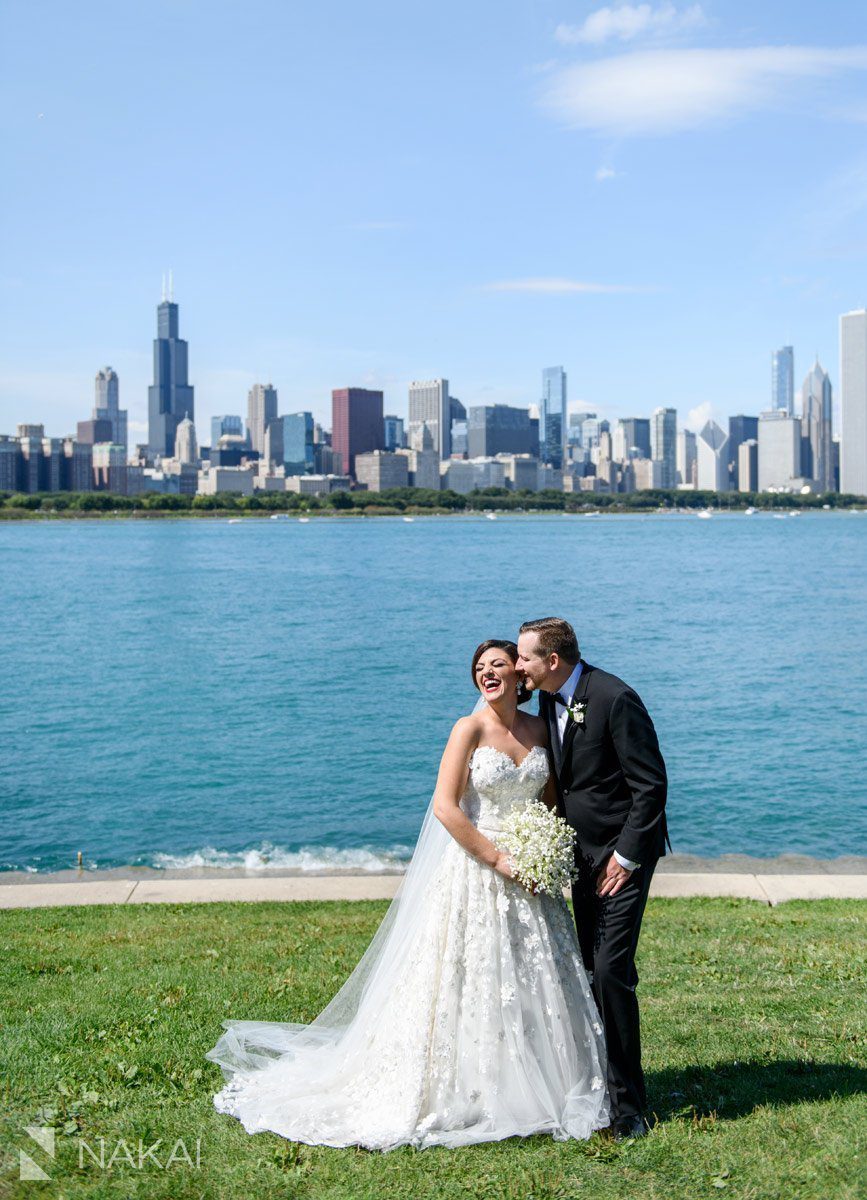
541 847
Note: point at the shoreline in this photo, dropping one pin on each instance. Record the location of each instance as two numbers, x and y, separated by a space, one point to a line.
669 864
769 890
768 881
15 515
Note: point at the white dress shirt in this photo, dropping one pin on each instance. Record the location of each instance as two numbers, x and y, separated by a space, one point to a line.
567 691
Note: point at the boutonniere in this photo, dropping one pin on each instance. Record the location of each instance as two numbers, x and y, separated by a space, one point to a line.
576 711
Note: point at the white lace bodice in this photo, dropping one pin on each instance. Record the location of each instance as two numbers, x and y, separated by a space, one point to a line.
496 786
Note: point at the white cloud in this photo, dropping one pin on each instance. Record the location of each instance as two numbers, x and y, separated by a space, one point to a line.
603 173
554 286
665 91
698 417
628 21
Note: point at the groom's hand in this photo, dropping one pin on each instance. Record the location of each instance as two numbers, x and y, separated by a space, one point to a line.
612 878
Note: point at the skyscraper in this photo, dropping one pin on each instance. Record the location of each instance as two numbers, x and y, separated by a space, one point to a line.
357 424
853 402
458 428
712 459
748 465
741 429
591 430
783 380
632 438
170 395
779 450
497 429
394 435
226 424
686 459
273 456
186 443
261 411
430 405
553 427
106 405
817 450
663 444
298 446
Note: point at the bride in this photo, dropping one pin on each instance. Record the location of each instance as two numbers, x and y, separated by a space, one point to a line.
470 1017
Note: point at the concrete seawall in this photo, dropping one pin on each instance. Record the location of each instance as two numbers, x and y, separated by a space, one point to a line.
769 881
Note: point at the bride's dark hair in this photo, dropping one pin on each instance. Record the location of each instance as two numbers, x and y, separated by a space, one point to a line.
508 648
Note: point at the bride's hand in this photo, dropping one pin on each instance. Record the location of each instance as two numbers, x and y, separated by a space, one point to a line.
503 866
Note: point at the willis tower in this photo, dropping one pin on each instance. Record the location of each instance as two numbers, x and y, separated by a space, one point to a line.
170 397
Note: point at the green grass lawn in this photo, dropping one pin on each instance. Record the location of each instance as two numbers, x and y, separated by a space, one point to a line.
754 1033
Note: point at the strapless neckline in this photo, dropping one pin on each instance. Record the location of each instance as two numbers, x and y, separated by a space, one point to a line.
508 757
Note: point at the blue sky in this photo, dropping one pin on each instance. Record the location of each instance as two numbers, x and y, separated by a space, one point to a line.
654 195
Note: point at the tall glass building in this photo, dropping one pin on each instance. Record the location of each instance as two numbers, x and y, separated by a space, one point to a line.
170 396
783 380
298 447
497 429
226 425
663 444
553 428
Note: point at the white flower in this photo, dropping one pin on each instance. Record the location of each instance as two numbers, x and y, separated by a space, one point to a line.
595 1083
541 846
502 903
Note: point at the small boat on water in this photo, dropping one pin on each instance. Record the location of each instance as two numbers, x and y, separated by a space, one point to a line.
235 520
409 520
594 513
491 516
279 516
303 520
705 514
749 512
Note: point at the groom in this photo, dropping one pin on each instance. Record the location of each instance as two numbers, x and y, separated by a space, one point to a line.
612 787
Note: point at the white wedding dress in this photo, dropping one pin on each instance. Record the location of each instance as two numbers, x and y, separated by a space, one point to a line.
469 1019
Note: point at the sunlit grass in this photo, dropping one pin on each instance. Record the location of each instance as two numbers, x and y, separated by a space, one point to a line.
754 1036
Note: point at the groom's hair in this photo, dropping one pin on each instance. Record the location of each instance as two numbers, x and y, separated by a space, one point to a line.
556 636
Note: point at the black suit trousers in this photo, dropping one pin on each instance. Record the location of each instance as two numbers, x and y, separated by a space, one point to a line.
608 929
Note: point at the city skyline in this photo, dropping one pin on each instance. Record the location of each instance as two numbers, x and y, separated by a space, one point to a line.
168 347
691 231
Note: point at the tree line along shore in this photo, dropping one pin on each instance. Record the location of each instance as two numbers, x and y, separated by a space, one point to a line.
403 501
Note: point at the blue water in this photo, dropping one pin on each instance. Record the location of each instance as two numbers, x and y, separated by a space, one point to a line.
181 692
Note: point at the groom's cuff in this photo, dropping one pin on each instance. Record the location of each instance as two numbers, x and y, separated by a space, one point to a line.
626 863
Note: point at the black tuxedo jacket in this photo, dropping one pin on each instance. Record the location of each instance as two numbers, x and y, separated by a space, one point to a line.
610 773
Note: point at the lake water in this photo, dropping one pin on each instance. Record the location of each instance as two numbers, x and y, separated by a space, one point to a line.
183 692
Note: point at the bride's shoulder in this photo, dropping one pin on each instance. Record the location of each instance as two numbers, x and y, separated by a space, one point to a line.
467 728
464 738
